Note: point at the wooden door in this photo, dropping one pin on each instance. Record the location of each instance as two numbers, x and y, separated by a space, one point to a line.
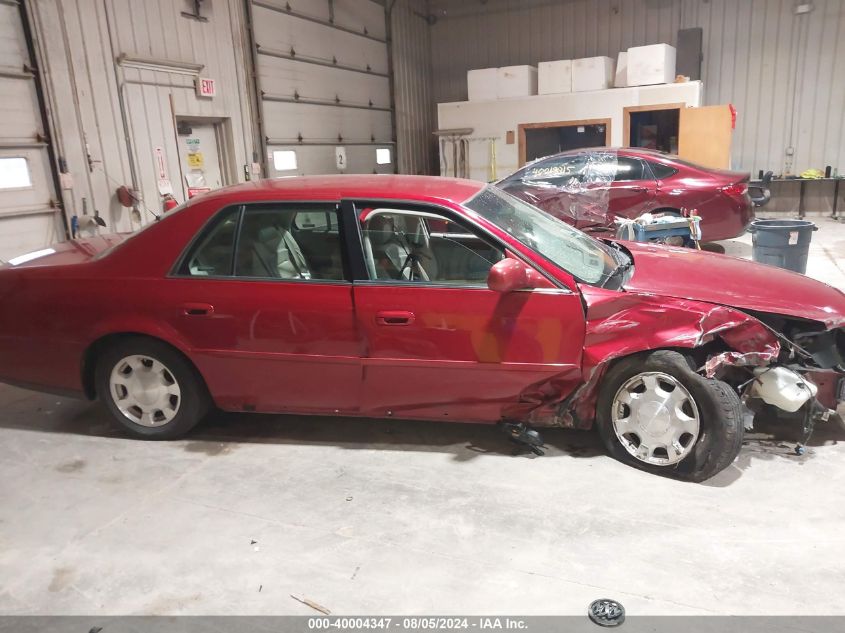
705 136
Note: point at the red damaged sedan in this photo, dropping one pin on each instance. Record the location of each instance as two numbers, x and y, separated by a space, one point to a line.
423 298
589 188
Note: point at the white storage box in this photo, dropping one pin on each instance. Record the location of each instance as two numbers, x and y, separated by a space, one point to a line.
481 84
554 77
592 73
654 64
516 81
621 70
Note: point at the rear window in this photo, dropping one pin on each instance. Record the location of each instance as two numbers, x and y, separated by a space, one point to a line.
661 171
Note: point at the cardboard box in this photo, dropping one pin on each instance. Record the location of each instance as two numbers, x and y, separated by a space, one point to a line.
554 77
621 70
481 84
592 73
516 81
654 64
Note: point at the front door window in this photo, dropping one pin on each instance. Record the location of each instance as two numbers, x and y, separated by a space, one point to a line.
421 247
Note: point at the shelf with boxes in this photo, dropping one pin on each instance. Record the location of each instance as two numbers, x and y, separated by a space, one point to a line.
637 66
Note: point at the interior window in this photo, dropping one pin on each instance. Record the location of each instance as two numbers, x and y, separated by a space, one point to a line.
282 241
629 169
212 256
416 246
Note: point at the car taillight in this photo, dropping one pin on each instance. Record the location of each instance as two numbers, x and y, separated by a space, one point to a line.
736 189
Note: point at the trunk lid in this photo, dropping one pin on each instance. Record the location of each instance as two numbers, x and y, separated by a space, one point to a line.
76 251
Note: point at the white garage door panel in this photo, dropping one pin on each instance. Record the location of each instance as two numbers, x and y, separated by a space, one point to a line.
313 8
12 49
336 103
318 123
359 15
18 118
28 220
281 77
26 234
280 32
361 159
350 14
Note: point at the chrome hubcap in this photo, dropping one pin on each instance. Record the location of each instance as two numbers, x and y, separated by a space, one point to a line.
655 418
145 391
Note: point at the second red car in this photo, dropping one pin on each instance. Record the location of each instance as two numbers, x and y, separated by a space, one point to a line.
589 188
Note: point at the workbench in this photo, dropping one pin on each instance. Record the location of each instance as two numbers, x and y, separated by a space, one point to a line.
802 186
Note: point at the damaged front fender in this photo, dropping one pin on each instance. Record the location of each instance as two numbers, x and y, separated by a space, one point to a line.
621 324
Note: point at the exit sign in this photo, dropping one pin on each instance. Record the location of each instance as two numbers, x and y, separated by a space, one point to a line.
206 87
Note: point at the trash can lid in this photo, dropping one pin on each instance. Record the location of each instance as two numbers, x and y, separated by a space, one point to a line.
782 225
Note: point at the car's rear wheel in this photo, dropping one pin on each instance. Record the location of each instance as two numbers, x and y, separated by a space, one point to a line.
656 413
150 389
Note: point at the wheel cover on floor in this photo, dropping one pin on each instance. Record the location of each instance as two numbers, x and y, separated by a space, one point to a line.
145 390
655 418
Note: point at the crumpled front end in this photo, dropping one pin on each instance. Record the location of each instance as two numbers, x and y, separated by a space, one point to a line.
758 355
622 324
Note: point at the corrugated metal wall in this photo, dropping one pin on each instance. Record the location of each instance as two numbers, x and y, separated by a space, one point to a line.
110 113
783 72
412 87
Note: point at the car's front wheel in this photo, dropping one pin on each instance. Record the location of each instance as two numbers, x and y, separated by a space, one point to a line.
656 413
151 390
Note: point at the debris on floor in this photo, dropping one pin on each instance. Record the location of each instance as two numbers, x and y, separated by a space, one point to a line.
312 604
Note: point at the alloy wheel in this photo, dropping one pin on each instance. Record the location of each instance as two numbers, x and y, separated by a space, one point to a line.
655 418
145 390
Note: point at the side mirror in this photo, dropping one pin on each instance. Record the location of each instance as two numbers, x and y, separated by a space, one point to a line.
508 275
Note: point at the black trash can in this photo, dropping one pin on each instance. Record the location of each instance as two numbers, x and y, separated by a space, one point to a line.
782 243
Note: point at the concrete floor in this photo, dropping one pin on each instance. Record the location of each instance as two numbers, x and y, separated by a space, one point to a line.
388 517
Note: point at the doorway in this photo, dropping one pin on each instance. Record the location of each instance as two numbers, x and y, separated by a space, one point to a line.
537 140
652 127
203 155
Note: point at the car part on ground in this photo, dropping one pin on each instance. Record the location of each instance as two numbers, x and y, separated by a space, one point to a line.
590 188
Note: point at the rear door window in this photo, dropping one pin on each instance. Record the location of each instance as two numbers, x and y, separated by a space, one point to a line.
213 254
661 171
628 169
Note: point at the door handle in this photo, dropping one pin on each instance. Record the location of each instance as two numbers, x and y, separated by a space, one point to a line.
394 317
197 309
639 189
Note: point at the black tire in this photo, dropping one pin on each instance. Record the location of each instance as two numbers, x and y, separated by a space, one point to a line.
191 405
720 416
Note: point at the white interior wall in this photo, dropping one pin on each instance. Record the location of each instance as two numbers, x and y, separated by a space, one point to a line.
493 119
781 70
116 114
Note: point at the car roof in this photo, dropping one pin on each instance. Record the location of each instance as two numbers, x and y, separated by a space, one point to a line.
625 151
339 186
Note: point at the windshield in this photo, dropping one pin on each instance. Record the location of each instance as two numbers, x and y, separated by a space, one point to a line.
585 258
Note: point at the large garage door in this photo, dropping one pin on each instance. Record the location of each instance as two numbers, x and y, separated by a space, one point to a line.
29 218
324 86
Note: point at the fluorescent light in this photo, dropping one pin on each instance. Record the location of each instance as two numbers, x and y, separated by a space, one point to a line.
22 259
284 159
383 156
